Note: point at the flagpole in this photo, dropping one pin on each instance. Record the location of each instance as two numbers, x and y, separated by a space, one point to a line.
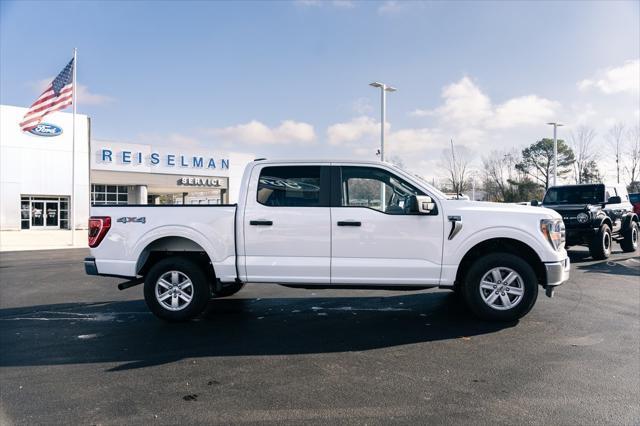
73 150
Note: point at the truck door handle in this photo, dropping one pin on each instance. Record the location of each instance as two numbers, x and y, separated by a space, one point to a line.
261 222
349 223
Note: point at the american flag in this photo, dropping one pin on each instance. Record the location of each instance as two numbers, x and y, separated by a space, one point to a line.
58 95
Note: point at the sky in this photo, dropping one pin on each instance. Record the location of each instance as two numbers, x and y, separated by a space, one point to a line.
291 79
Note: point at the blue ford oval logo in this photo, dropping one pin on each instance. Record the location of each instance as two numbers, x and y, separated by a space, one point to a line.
46 129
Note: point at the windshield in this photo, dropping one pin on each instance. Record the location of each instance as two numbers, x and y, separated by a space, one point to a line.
591 194
430 187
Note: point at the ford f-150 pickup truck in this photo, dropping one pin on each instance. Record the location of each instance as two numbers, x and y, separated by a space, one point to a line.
331 225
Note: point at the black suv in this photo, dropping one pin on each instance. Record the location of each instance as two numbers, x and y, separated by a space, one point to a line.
594 215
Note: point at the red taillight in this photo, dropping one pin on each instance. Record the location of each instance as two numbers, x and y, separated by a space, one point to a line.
98 228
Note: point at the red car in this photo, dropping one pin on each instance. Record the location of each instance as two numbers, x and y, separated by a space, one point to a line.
635 200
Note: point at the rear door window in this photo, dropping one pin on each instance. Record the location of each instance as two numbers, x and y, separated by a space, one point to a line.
294 186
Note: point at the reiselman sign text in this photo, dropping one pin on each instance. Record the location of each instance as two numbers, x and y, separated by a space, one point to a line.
125 157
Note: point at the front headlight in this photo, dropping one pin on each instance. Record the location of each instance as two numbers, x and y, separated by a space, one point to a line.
582 217
553 230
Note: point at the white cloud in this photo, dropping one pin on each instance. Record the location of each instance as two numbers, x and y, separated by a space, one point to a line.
466 106
85 96
525 110
583 114
406 141
255 132
354 130
361 136
622 79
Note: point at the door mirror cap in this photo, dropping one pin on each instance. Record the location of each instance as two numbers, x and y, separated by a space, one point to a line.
614 200
535 203
420 204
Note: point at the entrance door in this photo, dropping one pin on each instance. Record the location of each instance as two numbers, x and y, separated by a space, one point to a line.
37 214
374 241
52 210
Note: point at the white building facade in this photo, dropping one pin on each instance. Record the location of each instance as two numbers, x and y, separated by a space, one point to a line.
36 173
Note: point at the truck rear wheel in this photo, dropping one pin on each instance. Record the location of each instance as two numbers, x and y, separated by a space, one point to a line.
630 235
600 247
500 287
176 289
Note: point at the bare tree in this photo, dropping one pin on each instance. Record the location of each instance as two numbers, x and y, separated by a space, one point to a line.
633 158
582 145
615 138
497 174
456 164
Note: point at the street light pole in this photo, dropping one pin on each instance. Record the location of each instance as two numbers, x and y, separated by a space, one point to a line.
383 118
383 111
555 125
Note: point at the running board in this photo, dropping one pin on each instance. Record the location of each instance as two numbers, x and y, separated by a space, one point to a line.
359 287
131 283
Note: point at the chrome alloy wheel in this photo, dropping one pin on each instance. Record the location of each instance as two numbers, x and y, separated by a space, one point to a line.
174 290
634 236
502 288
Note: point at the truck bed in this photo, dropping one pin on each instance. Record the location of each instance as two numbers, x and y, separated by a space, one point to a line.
137 229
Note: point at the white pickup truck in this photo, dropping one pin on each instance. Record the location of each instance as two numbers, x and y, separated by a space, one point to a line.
331 225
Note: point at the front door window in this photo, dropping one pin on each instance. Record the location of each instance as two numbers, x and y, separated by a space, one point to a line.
376 189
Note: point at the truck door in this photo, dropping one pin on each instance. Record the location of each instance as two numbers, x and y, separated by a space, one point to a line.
287 228
373 240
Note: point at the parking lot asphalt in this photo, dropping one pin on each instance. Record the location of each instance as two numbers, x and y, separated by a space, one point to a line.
75 350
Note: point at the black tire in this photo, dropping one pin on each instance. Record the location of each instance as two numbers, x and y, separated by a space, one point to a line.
630 235
199 290
229 290
600 247
474 294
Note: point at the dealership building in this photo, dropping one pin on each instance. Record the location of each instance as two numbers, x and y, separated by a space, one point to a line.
36 173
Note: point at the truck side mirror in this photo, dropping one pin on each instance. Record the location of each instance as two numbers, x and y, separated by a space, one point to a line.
535 203
614 200
420 204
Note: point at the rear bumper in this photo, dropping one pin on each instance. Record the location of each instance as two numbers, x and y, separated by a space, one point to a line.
557 272
90 267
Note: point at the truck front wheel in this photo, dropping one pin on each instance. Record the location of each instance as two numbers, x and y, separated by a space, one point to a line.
176 289
600 247
500 287
630 242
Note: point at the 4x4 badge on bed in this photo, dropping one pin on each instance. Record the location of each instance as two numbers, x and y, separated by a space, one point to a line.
132 219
